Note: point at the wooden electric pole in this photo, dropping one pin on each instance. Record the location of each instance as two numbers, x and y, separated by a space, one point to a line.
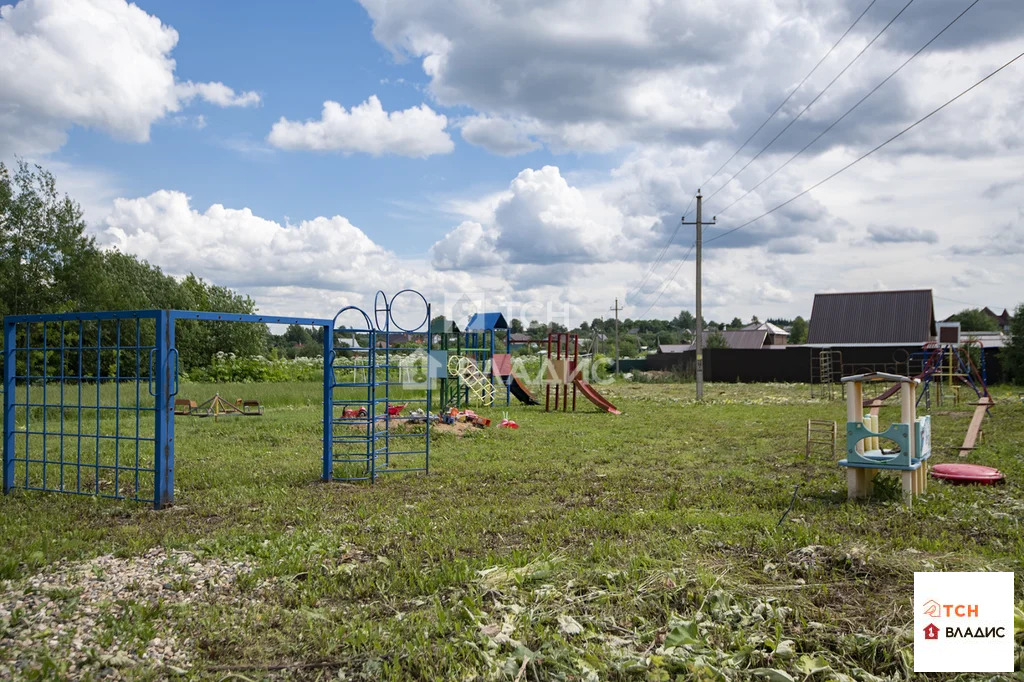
699 331
616 309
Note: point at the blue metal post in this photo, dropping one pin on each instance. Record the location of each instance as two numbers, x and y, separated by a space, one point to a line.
430 382
163 448
328 465
9 340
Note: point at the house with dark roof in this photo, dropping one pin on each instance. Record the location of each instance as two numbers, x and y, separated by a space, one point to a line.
774 334
734 338
1002 320
873 318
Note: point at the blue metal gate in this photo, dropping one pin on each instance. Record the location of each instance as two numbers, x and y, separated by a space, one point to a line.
81 407
88 399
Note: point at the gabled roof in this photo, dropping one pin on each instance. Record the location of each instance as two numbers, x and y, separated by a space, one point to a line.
873 317
734 338
1003 319
766 326
521 338
486 322
743 338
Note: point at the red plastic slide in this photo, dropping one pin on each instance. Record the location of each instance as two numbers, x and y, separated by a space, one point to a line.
594 397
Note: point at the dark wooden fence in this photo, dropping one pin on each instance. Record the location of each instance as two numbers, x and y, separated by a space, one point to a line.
793 363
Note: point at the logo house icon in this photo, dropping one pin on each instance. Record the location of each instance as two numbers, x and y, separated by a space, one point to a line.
931 631
932 608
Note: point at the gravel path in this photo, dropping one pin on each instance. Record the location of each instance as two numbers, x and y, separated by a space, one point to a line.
107 617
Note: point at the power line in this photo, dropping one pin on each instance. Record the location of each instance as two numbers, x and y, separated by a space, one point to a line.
664 250
668 281
850 110
809 104
973 305
661 255
866 154
789 96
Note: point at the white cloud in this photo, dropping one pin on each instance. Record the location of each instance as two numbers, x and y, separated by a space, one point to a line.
216 93
103 64
501 136
468 247
314 266
543 221
895 234
417 131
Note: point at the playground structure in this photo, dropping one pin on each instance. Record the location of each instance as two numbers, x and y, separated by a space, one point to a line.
826 369
470 380
476 370
562 370
89 399
370 386
865 456
947 367
218 407
821 434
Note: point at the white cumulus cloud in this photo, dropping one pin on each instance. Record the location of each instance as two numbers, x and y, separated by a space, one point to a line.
103 64
217 93
417 132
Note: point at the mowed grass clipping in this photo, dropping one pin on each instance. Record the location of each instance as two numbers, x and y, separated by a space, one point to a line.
679 540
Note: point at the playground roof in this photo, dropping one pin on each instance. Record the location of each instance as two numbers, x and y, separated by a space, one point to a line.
486 322
873 317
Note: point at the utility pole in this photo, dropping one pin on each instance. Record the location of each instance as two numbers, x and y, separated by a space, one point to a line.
699 331
616 309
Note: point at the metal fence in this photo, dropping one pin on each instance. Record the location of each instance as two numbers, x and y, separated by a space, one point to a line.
88 398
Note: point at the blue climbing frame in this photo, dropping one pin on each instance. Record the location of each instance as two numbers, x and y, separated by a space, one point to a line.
378 371
88 399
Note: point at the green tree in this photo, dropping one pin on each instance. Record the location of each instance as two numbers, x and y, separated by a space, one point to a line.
798 332
1012 355
715 339
685 320
297 335
736 323
47 263
515 326
974 320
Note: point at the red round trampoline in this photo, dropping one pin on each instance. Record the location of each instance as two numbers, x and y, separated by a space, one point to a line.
955 472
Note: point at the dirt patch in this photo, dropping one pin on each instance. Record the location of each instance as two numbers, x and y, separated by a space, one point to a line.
458 428
65 614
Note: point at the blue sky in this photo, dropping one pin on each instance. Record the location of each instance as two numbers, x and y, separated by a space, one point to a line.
295 61
533 157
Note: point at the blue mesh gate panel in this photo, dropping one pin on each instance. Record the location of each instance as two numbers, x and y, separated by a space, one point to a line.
80 408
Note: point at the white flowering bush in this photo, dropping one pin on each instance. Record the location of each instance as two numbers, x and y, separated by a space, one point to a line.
226 367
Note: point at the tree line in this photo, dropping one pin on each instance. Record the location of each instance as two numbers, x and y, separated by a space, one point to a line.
49 264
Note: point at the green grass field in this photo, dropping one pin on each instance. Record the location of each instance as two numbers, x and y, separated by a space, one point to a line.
655 545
